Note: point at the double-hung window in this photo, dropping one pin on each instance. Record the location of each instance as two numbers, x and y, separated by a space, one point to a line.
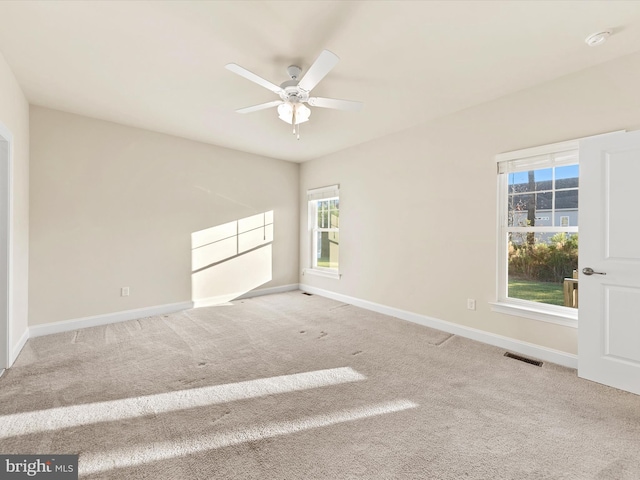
324 228
538 232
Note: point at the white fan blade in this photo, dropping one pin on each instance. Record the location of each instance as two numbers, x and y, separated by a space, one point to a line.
243 72
334 103
323 65
262 106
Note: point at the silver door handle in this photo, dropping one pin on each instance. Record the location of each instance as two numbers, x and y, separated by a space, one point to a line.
590 271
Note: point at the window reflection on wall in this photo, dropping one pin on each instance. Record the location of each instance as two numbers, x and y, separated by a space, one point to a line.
231 259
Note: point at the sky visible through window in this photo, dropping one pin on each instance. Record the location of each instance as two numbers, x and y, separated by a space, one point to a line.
570 171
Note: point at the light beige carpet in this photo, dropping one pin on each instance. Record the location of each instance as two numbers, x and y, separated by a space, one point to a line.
295 387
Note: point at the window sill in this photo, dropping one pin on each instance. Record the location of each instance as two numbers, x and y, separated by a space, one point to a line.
568 319
323 273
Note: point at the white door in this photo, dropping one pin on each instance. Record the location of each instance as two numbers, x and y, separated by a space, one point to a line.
609 308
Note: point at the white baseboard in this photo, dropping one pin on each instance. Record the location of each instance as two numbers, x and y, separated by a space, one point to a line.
17 348
268 291
75 324
213 301
94 321
516 346
220 299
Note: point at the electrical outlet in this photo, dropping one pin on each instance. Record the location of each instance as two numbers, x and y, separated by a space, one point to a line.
471 304
124 292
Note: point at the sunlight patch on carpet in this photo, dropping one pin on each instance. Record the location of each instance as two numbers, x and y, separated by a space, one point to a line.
97 462
76 415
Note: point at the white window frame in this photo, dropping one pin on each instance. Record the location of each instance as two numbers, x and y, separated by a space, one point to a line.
534 158
331 192
546 156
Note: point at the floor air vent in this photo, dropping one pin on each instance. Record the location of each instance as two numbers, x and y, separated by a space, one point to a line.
307 294
537 363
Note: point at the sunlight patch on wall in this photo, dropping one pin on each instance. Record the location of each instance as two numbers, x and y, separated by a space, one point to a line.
97 462
26 423
231 259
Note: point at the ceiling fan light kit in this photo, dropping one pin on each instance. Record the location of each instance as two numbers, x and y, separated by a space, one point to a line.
294 114
294 94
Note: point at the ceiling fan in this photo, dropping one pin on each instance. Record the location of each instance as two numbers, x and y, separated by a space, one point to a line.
294 93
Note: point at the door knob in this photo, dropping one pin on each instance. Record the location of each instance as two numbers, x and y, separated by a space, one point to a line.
590 271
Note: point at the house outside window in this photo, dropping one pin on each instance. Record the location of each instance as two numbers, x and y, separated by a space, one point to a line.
324 229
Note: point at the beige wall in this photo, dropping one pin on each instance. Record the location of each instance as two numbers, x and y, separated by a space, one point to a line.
418 221
115 206
14 115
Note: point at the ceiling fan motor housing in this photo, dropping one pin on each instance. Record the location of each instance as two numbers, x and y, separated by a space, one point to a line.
291 93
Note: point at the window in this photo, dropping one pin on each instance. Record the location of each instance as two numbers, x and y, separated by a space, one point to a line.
324 225
538 243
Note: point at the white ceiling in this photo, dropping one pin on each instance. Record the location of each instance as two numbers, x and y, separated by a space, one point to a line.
159 65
